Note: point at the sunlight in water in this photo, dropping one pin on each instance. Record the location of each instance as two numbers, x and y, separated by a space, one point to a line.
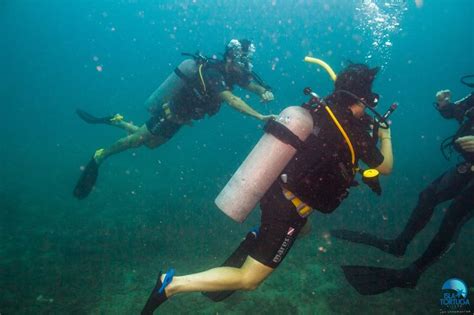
379 20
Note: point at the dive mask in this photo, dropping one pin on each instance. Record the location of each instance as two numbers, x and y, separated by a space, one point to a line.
241 54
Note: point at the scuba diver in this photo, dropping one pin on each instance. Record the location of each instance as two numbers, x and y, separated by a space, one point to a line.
456 184
197 87
318 177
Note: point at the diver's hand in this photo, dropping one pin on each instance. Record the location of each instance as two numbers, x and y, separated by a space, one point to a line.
267 96
466 143
384 133
443 97
267 117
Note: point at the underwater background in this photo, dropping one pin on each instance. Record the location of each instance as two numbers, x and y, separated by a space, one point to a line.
154 209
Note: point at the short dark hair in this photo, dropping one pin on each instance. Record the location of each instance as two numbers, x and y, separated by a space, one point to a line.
357 79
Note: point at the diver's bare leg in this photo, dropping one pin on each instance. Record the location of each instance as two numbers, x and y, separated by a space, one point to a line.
127 126
117 121
247 277
136 139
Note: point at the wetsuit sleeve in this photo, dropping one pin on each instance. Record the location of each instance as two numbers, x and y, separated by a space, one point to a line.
451 111
466 104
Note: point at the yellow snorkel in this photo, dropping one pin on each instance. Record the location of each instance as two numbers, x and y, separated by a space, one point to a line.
333 76
323 64
370 176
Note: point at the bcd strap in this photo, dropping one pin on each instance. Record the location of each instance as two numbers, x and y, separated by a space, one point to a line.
180 74
282 133
302 208
200 89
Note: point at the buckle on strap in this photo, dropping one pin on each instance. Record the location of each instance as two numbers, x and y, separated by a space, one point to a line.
167 111
302 208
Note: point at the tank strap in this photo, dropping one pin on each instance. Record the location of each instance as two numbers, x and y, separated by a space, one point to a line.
180 74
190 82
302 208
282 133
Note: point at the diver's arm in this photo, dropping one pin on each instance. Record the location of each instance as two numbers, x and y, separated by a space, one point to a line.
466 102
455 110
266 95
238 104
386 149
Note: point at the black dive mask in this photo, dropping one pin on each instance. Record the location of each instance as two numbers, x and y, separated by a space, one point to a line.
370 103
372 100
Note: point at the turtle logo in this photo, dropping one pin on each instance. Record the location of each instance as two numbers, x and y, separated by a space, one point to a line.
455 295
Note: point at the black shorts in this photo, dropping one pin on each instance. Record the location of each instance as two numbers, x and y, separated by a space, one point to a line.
280 225
158 125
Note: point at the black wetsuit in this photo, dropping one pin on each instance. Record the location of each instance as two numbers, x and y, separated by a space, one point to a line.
456 184
320 175
192 102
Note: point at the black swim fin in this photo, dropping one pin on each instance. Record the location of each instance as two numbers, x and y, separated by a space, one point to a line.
375 280
90 119
87 180
158 294
388 246
236 259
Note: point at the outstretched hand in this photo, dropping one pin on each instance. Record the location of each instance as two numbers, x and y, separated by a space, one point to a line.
466 143
267 96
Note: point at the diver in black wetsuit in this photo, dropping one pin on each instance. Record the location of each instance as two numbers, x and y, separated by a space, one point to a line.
317 178
456 184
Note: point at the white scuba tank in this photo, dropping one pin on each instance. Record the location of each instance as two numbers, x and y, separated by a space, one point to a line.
262 166
172 85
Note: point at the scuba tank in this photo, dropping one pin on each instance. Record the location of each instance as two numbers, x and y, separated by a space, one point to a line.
172 85
265 162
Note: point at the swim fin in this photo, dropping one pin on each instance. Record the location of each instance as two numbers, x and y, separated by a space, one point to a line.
388 246
158 294
87 180
90 119
236 259
375 280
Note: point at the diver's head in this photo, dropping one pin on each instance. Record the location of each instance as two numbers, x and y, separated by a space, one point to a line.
238 55
353 87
